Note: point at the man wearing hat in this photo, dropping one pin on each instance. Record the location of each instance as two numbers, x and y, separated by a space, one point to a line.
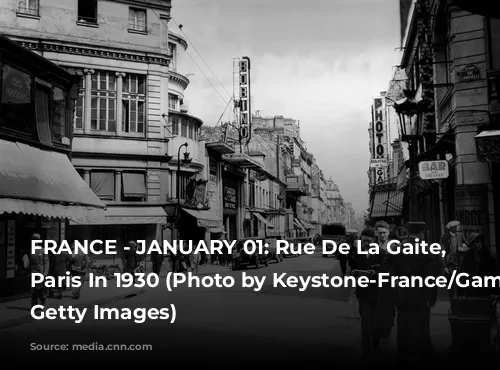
39 263
453 242
368 265
413 304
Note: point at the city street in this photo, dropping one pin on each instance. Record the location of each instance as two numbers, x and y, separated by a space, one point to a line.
219 325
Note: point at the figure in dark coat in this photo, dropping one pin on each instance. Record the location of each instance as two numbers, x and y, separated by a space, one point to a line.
453 243
413 304
387 310
58 264
368 296
477 262
39 263
157 261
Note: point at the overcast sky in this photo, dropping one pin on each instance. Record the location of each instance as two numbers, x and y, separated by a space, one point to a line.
318 61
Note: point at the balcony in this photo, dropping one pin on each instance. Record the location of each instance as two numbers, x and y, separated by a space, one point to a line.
295 186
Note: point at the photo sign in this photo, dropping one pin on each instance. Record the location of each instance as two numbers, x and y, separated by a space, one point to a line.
431 170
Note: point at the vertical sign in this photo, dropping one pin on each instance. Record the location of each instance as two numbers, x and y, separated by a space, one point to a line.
471 209
212 193
244 94
379 139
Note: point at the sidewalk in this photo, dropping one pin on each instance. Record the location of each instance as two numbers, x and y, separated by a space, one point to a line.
17 312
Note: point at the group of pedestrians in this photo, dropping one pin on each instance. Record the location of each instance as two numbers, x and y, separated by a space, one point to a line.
56 266
381 306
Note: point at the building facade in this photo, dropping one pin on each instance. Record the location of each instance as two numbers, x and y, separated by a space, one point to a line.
40 189
450 56
130 120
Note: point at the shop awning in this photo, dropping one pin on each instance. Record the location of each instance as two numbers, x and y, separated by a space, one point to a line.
44 183
263 220
307 225
387 203
126 216
488 145
379 207
395 203
206 219
299 225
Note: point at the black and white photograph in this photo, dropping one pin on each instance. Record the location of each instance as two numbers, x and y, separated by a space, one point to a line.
243 183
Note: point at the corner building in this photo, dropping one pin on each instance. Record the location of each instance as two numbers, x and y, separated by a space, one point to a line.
129 117
464 43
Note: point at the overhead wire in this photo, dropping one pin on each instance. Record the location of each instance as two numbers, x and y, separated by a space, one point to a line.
192 59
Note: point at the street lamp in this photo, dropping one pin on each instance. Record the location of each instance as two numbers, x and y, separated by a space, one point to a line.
410 115
185 161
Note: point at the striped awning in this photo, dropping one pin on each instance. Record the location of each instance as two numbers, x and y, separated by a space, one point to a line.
387 203
395 203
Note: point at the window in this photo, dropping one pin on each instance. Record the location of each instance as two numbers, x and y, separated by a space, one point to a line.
134 104
184 125
87 11
28 7
42 101
16 108
183 181
137 19
191 129
80 105
133 186
102 184
172 50
494 29
103 102
59 111
175 125
251 201
173 100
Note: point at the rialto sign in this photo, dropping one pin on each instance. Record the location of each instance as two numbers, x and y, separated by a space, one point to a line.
430 170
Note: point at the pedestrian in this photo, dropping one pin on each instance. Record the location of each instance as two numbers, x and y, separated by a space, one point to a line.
342 258
194 259
58 268
157 259
453 243
79 268
386 309
368 265
130 257
477 262
39 263
414 303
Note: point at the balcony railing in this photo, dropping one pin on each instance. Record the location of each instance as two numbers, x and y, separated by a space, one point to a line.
295 185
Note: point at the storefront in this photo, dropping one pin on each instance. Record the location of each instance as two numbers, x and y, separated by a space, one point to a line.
120 223
231 204
39 187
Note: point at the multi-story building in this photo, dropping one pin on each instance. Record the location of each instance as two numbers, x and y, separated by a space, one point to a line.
129 121
451 59
40 189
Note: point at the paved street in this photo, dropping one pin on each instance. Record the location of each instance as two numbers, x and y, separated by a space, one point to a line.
217 325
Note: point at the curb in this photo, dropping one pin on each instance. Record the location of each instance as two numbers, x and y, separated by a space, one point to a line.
120 297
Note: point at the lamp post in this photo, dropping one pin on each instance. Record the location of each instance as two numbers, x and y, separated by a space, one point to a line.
186 160
409 111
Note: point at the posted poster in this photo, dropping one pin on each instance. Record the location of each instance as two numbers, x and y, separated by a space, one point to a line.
471 209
